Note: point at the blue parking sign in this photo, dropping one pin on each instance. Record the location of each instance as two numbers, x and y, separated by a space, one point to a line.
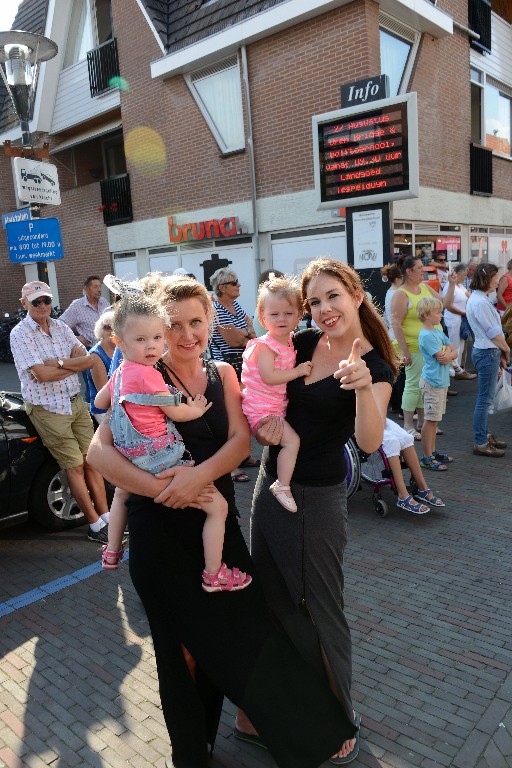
35 240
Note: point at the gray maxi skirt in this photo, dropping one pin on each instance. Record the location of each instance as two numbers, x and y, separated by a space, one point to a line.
299 559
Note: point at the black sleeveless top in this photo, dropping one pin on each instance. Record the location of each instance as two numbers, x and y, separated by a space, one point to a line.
323 415
204 436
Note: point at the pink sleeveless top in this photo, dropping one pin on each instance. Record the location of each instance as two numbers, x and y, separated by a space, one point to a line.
260 399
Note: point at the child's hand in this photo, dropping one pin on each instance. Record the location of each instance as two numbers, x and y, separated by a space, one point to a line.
199 402
304 369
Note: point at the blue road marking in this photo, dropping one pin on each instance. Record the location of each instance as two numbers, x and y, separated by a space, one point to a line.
27 598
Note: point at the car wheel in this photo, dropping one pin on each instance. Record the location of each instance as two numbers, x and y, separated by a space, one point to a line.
50 502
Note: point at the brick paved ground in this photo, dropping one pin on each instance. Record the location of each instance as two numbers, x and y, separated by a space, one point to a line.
428 600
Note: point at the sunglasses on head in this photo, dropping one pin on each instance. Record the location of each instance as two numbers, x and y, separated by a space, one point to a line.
231 282
43 300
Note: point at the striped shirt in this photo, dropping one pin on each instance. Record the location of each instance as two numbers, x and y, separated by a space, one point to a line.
218 346
81 317
30 346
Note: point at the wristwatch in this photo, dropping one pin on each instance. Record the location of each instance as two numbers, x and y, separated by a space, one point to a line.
60 362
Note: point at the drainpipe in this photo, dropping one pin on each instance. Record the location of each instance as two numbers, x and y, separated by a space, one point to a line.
469 32
252 164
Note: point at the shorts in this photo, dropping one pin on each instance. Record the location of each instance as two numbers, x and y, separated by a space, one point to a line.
434 401
67 437
395 439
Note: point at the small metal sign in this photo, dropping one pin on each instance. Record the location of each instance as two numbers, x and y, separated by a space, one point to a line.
363 91
36 182
35 240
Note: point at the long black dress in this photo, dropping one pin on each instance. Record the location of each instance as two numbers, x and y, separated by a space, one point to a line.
239 650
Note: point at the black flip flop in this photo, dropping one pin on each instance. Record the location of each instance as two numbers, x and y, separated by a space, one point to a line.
250 738
251 464
354 753
240 478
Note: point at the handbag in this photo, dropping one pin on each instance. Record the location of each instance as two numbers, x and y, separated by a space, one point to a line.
234 359
465 328
503 395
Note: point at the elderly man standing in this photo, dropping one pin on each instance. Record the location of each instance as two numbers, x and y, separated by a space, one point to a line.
83 313
48 357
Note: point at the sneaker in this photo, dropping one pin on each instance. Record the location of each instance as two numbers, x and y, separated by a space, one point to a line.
101 536
464 376
452 392
495 442
487 449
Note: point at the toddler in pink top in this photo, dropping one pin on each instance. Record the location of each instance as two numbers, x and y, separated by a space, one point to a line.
268 365
143 412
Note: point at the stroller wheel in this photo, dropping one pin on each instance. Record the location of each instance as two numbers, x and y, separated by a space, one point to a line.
381 508
413 486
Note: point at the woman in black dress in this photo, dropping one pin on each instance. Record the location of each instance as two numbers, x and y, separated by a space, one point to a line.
299 557
236 647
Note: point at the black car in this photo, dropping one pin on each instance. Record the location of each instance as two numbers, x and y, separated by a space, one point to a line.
32 487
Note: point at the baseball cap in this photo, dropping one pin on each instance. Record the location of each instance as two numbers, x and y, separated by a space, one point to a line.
34 290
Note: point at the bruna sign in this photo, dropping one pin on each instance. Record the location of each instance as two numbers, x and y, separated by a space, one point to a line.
202 230
367 154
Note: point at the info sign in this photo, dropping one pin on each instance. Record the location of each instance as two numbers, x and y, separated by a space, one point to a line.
36 240
36 182
367 154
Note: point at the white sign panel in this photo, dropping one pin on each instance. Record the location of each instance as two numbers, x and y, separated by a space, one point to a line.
367 236
36 182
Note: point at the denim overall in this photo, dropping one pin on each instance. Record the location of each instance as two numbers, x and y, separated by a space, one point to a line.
152 454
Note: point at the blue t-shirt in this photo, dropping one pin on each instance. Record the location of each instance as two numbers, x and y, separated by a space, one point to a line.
432 342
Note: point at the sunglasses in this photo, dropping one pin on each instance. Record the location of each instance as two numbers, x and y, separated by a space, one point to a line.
43 300
231 282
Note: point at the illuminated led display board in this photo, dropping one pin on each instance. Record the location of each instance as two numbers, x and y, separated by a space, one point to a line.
367 154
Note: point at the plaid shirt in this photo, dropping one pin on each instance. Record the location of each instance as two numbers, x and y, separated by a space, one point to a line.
30 346
81 317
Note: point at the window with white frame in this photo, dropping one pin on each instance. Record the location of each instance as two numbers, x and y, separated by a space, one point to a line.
398 48
491 110
218 94
80 35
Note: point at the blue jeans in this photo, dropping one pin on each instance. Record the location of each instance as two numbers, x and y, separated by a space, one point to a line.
487 363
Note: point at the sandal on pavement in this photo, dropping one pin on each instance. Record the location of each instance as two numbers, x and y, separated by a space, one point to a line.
355 751
283 495
222 581
442 457
251 462
412 506
110 559
241 477
429 462
414 433
249 738
429 497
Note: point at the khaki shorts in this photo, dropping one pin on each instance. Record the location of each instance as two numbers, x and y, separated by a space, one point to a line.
434 401
66 437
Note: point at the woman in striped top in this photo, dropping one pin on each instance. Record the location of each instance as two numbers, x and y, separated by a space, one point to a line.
234 327
268 365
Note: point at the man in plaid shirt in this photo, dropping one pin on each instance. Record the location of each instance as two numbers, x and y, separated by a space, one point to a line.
48 358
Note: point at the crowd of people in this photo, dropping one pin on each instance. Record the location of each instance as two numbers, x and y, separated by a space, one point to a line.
173 431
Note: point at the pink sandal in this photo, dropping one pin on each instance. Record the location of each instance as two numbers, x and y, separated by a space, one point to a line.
222 581
107 554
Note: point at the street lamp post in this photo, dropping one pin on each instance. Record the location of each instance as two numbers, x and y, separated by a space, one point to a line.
22 53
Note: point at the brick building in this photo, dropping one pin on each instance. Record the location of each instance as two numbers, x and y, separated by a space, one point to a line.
182 130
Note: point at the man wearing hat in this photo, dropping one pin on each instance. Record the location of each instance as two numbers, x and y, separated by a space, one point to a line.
48 358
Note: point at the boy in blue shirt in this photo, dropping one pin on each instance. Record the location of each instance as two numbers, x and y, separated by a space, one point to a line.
435 379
